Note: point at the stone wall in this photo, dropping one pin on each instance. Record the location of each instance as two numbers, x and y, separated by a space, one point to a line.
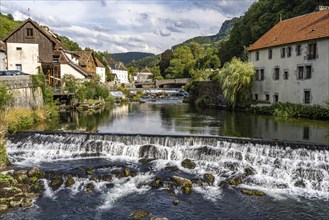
208 91
21 87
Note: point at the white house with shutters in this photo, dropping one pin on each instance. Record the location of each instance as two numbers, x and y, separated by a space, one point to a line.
292 61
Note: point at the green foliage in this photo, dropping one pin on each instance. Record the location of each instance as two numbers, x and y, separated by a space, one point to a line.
5 97
6 178
235 80
165 61
89 89
68 43
259 18
7 25
3 161
39 80
288 110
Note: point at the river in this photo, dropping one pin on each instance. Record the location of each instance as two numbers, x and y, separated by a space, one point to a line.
294 178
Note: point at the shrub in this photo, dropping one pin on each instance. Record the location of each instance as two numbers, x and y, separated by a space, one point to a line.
5 97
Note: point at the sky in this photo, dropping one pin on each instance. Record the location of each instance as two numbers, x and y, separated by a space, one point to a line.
128 25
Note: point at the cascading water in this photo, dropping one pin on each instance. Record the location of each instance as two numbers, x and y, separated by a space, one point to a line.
288 169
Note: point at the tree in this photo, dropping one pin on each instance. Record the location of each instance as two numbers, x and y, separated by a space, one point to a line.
182 62
235 80
10 17
69 44
132 71
165 61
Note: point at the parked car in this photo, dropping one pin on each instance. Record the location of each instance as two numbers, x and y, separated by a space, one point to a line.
12 73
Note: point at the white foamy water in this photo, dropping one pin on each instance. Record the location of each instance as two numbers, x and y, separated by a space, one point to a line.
278 169
125 186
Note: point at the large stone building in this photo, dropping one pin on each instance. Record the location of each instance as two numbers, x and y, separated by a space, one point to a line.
292 61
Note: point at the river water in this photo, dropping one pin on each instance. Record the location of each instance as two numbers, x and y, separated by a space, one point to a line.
295 178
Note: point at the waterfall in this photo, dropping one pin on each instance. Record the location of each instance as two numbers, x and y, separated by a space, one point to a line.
286 167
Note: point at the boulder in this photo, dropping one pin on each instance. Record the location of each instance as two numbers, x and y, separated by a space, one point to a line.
209 178
172 168
32 180
16 202
249 171
223 184
252 192
157 183
189 164
158 218
139 214
176 202
126 172
56 182
90 188
184 183
36 172
89 171
25 188
26 202
3 207
235 181
69 181
107 178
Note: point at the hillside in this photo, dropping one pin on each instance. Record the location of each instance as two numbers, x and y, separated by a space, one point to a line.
129 57
149 61
259 18
223 33
7 25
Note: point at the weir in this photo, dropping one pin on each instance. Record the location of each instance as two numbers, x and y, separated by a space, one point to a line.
276 165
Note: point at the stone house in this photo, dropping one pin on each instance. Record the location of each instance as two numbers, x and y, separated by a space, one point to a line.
292 61
144 76
31 48
118 70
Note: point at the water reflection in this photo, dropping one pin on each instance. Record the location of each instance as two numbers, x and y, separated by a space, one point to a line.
182 119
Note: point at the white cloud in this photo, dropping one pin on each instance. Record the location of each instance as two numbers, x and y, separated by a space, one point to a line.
121 26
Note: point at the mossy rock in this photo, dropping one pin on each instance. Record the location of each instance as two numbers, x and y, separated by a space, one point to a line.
37 187
89 171
107 178
189 164
126 172
180 181
187 189
157 182
139 214
209 178
249 171
176 202
32 180
252 192
69 181
235 181
90 188
25 188
223 184
36 172
3 207
56 182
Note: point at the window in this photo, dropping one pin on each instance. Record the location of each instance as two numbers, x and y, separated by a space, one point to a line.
286 74
56 58
311 53
270 54
267 97
276 73
256 96
29 32
262 77
257 55
307 96
308 72
289 52
300 72
18 48
299 50
276 98
19 67
283 52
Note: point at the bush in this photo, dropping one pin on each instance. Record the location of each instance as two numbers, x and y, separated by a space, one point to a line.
5 97
288 110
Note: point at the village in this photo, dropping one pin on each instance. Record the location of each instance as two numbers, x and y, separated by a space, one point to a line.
232 128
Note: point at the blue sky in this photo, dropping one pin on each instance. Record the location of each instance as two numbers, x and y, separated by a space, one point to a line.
128 25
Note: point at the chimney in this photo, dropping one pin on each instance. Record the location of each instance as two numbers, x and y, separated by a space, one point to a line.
321 8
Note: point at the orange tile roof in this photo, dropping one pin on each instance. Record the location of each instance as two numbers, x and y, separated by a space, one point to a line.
306 27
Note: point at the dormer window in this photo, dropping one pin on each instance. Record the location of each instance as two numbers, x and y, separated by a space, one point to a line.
29 32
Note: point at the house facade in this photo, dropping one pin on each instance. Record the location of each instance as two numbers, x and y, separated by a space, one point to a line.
144 75
100 70
31 48
119 71
292 61
3 59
